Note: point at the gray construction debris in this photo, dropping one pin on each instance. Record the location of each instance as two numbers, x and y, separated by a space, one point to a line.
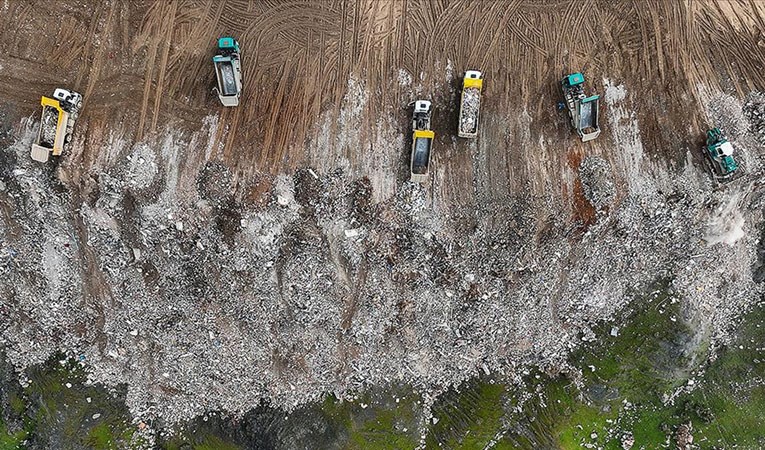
471 103
597 182
161 278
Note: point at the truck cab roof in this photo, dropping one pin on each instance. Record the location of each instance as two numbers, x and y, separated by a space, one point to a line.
574 79
421 106
228 43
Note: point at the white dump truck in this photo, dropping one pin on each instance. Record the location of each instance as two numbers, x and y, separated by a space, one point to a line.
470 104
422 141
228 70
582 110
59 115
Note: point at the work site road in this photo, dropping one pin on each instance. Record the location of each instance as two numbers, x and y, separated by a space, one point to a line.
328 83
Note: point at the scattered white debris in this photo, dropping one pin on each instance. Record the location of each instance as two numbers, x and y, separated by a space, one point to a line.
276 301
471 103
404 78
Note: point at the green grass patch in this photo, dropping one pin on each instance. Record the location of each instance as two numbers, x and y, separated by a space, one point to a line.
62 408
101 438
393 428
381 423
11 441
206 442
215 443
468 418
728 407
17 404
652 353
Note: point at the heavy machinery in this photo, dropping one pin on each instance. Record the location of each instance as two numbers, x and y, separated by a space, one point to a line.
228 70
59 115
422 141
719 152
582 109
470 104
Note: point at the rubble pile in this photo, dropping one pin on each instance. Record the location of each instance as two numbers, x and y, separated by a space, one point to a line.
597 182
726 113
168 281
683 436
471 102
628 440
227 72
48 129
754 110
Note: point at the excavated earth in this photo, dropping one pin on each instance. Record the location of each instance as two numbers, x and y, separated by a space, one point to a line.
211 258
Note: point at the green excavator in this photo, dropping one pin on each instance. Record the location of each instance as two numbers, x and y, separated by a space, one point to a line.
720 154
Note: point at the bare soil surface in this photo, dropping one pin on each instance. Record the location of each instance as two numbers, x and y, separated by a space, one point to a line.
210 257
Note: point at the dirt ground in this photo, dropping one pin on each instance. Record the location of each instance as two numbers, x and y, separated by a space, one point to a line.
177 199
145 66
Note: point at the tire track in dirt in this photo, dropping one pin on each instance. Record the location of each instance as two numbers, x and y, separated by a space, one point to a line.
95 287
283 37
153 21
757 14
228 146
741 47
89 43
561 39
677 37
510 12
645 38
72 48
401 43
199 30
341 43
298 56
276 115
220 133
355 28
398 43
523 35
98 60
575 32
435 23
168 23
485 32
